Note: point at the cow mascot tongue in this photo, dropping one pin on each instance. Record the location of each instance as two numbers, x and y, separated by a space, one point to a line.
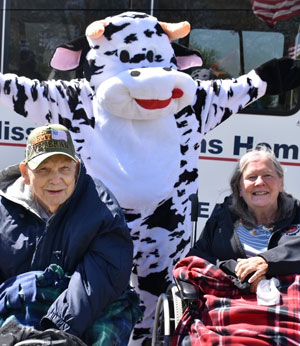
137 122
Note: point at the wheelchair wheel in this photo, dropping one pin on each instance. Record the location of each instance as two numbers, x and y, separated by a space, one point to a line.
169 310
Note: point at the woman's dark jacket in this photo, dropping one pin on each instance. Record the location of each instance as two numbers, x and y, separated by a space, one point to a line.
220 245
87 236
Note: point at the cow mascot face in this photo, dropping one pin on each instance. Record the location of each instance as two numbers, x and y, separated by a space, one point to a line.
137 122
131 65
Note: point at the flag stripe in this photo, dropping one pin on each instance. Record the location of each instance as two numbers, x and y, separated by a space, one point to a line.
293 52
272 11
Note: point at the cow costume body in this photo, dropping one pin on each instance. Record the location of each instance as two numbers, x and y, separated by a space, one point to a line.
137 123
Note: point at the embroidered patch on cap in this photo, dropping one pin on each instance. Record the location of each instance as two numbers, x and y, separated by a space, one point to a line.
46 141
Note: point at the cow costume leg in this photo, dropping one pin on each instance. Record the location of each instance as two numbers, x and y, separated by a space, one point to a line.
156 245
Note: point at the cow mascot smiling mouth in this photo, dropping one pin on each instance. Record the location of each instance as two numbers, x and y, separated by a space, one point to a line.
137 122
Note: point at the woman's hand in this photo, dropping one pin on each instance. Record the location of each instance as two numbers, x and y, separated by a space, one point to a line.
246 266
254 284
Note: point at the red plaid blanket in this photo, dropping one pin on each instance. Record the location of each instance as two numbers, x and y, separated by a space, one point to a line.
224 315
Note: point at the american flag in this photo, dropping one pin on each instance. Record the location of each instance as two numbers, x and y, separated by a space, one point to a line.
59 135
272 11
293 51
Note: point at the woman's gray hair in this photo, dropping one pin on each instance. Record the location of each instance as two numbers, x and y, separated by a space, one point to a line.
238 205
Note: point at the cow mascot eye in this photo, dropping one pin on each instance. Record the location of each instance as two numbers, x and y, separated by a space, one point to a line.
124 56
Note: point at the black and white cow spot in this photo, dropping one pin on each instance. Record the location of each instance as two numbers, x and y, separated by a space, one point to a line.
164 216
111 29
152 282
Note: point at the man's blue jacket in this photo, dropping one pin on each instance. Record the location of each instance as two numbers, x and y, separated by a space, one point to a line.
87 236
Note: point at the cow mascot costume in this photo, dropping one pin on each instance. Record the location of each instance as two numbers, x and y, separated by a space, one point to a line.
137 122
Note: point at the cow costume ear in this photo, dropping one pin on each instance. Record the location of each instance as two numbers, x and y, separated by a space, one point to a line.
186 58
70 56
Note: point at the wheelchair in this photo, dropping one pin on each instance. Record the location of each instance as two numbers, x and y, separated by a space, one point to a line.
178 297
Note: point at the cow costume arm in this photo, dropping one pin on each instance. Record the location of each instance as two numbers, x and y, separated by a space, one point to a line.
218 99
46 101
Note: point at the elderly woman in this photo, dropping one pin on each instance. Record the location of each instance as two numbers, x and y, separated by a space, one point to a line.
255 232
250 244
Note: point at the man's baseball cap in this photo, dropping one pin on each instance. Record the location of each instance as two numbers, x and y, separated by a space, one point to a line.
46 141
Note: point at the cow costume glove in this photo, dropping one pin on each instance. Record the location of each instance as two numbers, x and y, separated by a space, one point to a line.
280 75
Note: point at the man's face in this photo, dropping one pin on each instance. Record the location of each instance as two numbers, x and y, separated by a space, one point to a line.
52 182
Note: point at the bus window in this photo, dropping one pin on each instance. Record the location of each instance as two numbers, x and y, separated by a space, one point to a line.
34 28
268 45
229 54
219 49
33 36
260 46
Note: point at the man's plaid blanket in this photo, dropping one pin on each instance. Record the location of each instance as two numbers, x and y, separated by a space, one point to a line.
224 315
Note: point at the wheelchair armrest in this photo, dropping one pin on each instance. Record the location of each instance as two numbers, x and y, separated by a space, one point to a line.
187 290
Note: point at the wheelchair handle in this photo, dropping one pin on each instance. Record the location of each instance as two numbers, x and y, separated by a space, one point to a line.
194 208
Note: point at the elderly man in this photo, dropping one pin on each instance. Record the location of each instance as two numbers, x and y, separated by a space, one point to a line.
65 250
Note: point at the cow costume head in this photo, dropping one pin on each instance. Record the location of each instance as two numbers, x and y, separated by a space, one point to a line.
130 62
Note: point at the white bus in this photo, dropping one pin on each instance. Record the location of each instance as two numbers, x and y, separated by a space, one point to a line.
232 40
